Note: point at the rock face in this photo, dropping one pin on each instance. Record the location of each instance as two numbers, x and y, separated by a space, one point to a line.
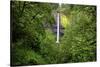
54 29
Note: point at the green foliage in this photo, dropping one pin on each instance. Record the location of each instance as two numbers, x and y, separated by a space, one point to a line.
81 34
33 44
25 56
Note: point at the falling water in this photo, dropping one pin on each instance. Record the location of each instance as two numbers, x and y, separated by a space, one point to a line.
58 21
58 15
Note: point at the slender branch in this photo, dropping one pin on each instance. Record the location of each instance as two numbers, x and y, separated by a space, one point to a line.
22 9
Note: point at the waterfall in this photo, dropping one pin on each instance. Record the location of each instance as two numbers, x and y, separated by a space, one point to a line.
58 22
58 19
